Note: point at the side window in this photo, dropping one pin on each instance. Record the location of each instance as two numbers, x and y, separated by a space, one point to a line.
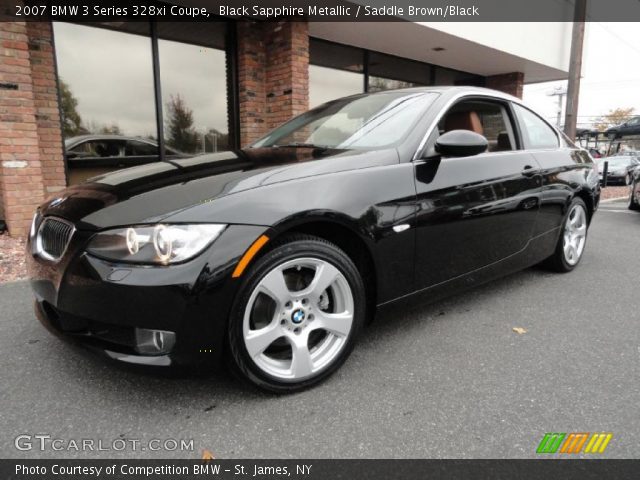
536 133
484 117
136 148
98 148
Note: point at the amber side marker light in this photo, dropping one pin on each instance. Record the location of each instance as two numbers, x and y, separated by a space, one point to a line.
248 255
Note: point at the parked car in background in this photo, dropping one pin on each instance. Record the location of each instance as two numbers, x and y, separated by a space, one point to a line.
272 257
629 153
620 169
630 127
91 155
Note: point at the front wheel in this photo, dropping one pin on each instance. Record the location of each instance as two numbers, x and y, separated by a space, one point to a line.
296 316
573 238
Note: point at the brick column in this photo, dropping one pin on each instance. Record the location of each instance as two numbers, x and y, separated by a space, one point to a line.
22 177
45 92
251 81
273 75
511 83
31 152
287 71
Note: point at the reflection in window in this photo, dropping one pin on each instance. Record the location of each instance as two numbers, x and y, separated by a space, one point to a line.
371 121
447 76
102 89
335 71
328 84
387 72
194 88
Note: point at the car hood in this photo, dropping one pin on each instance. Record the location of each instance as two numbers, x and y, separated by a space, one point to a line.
152 192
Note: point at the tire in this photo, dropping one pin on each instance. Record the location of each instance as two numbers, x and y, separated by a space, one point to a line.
633 203
575 229
283 297
627 180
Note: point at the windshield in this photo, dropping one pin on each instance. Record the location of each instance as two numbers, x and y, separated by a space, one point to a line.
360 122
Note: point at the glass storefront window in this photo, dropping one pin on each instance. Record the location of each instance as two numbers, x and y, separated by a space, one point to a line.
335 71
387 72
194 87
106 97
447 76
104 91
328 84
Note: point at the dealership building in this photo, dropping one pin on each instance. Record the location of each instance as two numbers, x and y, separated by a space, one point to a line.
79 99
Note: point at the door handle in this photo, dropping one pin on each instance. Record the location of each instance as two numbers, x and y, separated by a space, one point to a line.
529 171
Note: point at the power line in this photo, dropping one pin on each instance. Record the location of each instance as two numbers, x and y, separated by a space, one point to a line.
631 46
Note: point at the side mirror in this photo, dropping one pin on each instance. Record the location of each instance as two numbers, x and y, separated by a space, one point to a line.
461 143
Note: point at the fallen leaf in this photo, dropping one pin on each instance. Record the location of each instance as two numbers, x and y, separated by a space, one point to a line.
207 455
519 330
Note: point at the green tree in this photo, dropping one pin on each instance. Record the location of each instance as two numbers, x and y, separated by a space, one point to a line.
71 120
179 130
614 117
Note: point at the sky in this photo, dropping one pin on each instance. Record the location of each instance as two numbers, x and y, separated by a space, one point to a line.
610 74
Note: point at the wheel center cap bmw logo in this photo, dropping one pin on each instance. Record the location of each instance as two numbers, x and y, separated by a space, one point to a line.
297 316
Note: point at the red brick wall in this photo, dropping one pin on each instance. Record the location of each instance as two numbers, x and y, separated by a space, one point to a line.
273 75
32 165
511 83
287 71
22 179
45 91
251 81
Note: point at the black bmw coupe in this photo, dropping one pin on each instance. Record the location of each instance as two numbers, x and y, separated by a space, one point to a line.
273 257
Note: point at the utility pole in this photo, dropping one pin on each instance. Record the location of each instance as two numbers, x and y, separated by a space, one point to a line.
559 92
575 68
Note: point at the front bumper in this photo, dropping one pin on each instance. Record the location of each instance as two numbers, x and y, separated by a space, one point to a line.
101 304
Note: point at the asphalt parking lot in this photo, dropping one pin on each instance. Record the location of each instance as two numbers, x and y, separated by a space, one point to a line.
450 379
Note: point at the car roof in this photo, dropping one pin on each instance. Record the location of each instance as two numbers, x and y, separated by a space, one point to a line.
447 90
97 136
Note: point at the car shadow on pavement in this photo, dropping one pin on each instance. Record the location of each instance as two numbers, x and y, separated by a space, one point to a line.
82 367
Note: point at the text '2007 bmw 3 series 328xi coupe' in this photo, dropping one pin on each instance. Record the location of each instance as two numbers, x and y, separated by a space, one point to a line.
273 257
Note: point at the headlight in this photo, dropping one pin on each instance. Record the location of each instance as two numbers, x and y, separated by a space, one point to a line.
154 244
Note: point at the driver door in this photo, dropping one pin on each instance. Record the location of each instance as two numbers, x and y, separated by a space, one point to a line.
477 210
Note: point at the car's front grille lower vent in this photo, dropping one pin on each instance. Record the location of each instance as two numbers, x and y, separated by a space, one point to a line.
54 236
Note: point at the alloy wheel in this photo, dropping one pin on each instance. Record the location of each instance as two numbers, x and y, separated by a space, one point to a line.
575 234
298 319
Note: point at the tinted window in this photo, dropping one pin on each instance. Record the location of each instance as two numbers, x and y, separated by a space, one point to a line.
536 133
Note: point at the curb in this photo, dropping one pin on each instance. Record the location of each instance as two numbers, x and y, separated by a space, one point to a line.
617 199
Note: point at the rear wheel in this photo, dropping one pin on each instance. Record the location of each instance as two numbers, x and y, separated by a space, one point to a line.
297 315
572 240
